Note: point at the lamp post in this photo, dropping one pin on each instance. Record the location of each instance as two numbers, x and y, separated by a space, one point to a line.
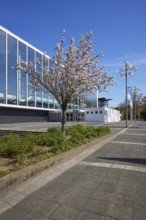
127 72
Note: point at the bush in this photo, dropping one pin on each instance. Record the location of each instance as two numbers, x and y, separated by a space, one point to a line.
75 129
102 130
3 173
79 133
52 138
90 132
59 149
15 147
76 139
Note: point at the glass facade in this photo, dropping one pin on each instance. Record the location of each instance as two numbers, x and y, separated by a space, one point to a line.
22 79
2 67
15 86
12 75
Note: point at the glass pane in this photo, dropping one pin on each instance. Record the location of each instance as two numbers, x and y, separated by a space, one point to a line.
51 101
12 75
39 90
45 99
22 99
31 93
2 67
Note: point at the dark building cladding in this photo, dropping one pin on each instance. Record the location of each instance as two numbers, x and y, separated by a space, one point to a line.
12 115
103 102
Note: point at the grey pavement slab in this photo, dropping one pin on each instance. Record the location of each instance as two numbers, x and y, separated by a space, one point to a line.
131 138
108 184
135 131
120 210
41 126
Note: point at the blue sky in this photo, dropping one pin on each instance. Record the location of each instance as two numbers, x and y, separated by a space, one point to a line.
119 29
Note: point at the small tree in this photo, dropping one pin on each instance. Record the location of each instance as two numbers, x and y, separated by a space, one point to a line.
73 72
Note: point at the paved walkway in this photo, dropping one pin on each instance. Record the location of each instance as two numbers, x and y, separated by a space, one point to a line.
106 183
43 126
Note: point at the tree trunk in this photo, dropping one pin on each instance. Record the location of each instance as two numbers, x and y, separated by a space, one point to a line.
63 120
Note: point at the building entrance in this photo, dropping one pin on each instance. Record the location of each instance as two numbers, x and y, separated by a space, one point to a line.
75 116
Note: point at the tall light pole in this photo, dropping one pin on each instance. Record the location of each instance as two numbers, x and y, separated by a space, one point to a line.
127 72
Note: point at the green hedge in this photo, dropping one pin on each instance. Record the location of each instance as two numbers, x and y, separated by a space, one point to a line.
53 141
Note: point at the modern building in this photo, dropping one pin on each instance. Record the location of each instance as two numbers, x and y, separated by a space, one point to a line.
102 114
18 101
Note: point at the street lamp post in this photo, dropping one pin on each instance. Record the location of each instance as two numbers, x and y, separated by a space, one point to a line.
127 72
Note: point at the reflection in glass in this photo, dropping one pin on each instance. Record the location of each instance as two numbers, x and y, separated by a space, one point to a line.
2 67
31 93
22 99
39 90
12 75
45 99
51 101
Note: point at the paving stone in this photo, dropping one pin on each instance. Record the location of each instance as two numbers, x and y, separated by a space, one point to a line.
119 210
96 179
129 201
35 216
111 180
89 216
29 204
4 206
13 213
96 206
140 203
89 184
109 218
127 182
139 215
107 187
58 197
128 192
46 208
99 195
82 192
41 194
65 213
76 202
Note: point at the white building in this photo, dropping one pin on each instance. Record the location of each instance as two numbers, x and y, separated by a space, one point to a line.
102 114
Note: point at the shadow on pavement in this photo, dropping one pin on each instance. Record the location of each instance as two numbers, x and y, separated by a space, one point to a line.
141 161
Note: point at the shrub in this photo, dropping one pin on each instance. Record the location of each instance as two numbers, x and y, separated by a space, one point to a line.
15 147
3 173
75 129
60 148
79 133
52 138
102 130
76 139
90 132
37 152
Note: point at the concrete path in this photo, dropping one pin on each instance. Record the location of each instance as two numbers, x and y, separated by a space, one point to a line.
43 126
39 126
104 183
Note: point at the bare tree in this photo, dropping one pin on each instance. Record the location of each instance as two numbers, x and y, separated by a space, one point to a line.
73 72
